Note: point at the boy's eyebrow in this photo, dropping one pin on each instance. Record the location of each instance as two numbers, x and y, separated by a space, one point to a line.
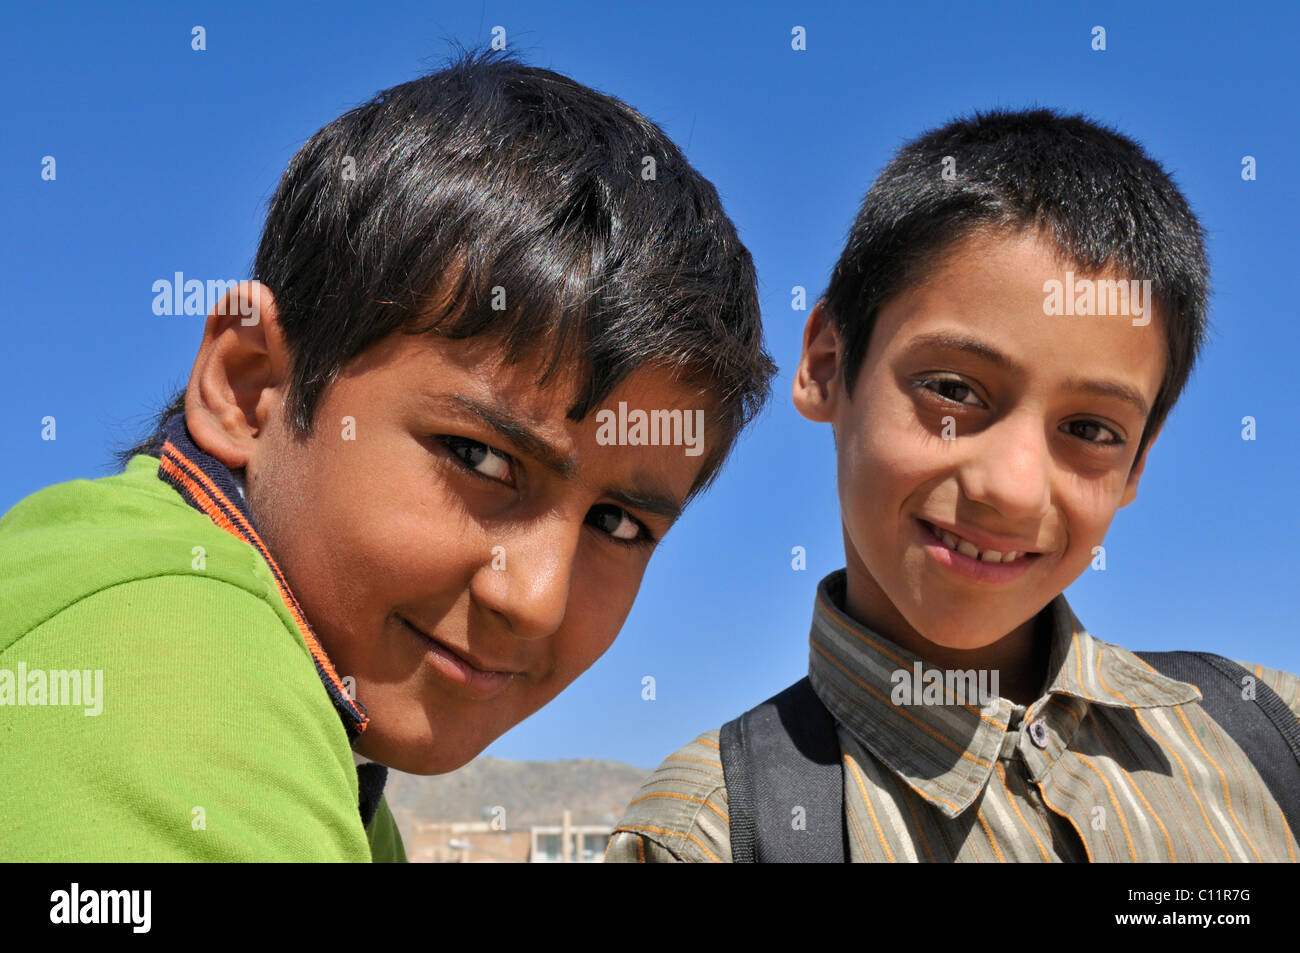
955 342
1107 388
516 432
660 504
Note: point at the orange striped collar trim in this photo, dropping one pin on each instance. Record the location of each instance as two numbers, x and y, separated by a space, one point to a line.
208 485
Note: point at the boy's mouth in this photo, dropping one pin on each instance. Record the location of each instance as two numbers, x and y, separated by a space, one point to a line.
479 677
965 547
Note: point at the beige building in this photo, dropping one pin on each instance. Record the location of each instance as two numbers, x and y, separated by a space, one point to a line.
482 842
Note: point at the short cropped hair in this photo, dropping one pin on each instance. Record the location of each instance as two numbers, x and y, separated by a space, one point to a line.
495 197
1095 193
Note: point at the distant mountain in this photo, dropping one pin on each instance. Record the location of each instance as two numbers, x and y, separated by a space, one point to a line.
532 792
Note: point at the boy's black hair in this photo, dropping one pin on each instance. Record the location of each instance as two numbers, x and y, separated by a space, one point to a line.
1099 197
491 179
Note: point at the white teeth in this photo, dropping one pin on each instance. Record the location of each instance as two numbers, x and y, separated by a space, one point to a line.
969 549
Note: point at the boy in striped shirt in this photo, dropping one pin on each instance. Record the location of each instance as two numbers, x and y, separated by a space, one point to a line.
1017 308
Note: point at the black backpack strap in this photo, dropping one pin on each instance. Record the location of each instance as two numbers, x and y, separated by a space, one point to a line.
1266 730
777 758
371 777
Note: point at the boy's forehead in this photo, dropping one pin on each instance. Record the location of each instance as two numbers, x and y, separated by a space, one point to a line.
989 254
481 362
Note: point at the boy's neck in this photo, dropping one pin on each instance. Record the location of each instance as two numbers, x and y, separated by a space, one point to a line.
1020 657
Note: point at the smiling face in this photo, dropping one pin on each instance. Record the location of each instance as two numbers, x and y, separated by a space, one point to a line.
977 420
462 550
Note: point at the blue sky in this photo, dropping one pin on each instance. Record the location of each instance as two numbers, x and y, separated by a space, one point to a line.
167 157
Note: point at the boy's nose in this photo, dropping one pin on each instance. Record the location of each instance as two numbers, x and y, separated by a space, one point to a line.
1008 468
528 576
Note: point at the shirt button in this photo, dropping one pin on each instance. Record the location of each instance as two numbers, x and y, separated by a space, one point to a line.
1038 732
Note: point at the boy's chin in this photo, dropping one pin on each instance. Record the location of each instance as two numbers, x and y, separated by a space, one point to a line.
955 631
964 639
421 755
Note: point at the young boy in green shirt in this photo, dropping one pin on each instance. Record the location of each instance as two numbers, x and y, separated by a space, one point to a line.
383 523
1018 306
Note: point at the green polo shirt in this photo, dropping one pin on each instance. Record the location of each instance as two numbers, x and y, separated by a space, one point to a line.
158 699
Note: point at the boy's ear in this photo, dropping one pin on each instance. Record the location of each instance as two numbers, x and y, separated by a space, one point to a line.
1135 474
816 377
239 374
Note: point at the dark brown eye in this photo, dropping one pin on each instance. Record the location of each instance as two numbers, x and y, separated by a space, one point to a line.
479 458
618 524
1090 430
951 389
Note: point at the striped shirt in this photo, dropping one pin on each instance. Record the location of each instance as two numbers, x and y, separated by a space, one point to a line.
1114 762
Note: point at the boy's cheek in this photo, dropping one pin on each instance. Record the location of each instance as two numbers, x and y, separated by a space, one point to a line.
1086 538
586 636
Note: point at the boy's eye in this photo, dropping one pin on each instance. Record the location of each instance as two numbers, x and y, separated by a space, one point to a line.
1089 430
957 391
619 525
480 458
951 389
614 521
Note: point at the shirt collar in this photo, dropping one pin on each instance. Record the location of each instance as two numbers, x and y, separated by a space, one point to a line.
947 752
210 487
